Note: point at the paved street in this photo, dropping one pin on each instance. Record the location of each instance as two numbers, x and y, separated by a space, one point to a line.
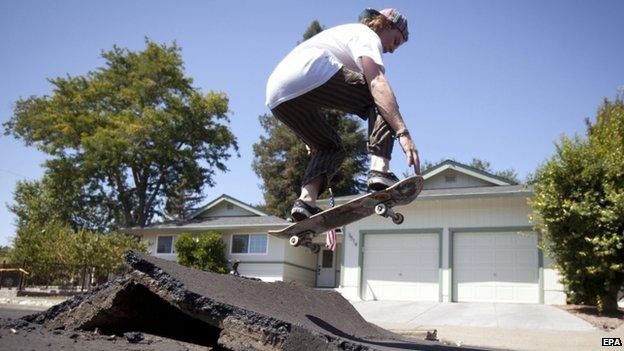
16 311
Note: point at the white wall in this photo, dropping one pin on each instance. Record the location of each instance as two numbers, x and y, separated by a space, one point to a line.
298 256
554 293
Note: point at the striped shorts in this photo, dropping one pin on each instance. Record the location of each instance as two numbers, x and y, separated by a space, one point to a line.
346 91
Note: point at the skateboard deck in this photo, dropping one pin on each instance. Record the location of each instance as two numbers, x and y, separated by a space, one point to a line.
379 202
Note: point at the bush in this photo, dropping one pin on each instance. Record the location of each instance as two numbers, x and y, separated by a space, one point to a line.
205 251
54 248
579 207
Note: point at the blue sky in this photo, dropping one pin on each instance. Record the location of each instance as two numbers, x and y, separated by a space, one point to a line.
497 80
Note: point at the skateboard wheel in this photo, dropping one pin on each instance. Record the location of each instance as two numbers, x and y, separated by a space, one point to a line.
316 248
294 240
381 209
398 219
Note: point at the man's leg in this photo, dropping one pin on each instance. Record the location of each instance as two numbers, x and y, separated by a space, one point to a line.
310 191
348 91
306 121
380 144
380 141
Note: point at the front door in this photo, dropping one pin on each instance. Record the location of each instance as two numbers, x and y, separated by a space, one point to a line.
326 274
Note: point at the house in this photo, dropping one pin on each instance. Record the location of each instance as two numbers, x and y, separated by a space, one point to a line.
244 230
467 238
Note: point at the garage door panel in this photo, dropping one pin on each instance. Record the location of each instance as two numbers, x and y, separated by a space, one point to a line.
406 242
504 271
525 276
526 258
388 259
476 292
427 257
526 240
505 258
484 259
400 275
505 293
474 275
401 267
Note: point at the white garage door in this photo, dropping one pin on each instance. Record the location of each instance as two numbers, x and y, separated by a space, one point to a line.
495 267
400 267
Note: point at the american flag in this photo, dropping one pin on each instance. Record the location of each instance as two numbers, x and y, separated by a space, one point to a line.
330 239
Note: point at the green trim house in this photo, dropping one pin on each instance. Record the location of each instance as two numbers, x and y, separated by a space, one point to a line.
467 238
244 231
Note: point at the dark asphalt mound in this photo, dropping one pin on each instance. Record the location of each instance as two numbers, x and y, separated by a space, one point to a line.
162 301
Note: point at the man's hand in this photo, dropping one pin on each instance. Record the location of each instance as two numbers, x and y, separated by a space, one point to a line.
411 153
311 151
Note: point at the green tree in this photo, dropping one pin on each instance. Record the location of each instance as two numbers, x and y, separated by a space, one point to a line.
129 136
48 236
314 29
280 158
181 201
41 248
5 254
47 249
204 251
53 198
579 207
102 251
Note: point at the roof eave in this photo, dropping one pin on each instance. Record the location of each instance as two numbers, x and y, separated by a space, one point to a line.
147 230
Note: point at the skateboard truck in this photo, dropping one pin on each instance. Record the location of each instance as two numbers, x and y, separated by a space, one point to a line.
384 210
305 239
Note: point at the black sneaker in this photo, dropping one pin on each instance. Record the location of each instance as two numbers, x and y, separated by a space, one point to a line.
301 211
381 180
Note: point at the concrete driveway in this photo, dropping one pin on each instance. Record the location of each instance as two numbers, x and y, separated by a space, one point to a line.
416 315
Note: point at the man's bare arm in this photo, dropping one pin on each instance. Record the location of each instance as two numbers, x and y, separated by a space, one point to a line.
389 109
382 94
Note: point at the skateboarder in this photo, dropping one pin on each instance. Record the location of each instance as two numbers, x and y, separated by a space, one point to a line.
341 68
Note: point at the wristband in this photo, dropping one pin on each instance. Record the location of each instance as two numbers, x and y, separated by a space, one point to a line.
402 132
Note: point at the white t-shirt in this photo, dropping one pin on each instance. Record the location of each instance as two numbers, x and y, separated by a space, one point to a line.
316 60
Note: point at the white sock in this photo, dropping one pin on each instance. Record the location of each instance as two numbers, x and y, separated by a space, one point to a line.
379 163
307 197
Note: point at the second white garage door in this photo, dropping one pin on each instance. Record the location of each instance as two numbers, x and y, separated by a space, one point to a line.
495 267
401 267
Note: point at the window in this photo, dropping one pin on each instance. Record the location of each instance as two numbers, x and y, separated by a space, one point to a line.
451 178
249 244
164 245
328 259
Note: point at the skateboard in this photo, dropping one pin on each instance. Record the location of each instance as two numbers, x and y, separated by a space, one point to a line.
379 202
